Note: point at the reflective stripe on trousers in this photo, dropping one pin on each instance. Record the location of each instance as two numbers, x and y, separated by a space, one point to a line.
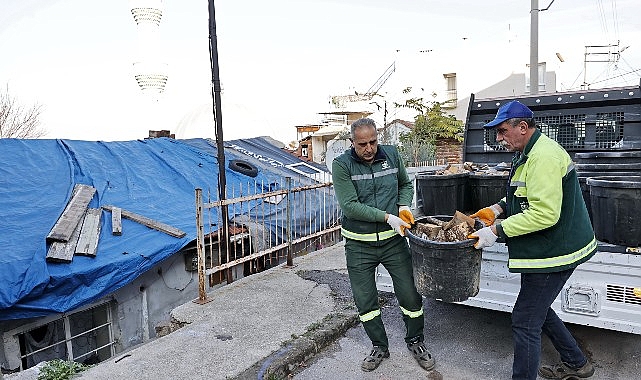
375 236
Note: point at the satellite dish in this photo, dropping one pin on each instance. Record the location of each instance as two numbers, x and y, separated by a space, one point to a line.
335 148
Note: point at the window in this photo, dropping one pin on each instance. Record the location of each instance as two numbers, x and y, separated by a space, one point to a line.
567 130
85 336
608 129
541 77
450 96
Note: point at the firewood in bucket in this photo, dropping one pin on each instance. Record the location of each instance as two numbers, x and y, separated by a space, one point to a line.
456 229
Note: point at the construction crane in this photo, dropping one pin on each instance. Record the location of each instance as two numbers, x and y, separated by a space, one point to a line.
340 100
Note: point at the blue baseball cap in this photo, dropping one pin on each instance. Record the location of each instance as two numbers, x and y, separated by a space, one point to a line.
511 110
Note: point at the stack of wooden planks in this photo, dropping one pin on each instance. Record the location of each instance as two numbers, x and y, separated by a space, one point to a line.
77 230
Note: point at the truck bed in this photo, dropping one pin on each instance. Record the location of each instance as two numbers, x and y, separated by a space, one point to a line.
600 292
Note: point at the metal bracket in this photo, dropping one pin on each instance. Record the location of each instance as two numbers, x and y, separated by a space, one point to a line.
581 299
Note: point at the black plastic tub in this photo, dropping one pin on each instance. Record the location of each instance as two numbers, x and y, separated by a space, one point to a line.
610 167
608 157
446 271
443 194
601 164
486 189
616 208
585 189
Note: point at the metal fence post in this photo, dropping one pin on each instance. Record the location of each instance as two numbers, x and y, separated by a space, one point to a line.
200 245
290 255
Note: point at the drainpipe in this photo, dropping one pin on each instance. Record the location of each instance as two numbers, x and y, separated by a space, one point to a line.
145 314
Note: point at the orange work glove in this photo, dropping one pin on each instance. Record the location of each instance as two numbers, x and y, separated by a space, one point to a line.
488 215
405 213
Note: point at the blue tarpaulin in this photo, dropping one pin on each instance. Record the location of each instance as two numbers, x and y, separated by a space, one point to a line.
155 178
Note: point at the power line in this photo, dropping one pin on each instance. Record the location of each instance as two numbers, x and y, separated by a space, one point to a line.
575 79
632 68
615 19
618 76
602 17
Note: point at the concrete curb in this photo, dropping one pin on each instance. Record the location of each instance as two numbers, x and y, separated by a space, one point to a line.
295 353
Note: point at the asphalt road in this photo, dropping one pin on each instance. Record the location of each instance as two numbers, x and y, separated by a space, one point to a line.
467 342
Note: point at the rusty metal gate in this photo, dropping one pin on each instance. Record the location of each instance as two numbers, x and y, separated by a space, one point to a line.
268 224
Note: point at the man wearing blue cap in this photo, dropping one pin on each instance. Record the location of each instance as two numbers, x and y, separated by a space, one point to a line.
548 233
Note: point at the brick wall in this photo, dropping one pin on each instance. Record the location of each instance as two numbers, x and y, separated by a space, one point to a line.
161 133
449 149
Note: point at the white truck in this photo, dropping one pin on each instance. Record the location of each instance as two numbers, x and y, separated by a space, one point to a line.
604 292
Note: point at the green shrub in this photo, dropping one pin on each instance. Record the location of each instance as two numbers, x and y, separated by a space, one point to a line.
58 369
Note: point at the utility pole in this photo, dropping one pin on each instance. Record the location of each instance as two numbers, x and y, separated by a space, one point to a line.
534 44
534 47
218 118
386 131
385 113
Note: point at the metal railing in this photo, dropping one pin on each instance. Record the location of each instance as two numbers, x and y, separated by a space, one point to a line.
268 224
433 162
450 99
72 336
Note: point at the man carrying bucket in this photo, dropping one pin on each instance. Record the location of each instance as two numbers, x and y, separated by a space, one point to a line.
548 233
374 191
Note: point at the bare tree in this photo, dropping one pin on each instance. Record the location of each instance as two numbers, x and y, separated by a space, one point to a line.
18 121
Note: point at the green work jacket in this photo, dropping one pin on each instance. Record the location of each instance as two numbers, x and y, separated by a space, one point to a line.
547 227
366 192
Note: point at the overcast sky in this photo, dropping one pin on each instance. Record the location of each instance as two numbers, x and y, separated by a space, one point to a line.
282 60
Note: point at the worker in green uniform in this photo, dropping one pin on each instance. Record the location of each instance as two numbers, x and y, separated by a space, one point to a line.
548 234
374 193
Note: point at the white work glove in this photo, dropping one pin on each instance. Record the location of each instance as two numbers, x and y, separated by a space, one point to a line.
397 224
486 237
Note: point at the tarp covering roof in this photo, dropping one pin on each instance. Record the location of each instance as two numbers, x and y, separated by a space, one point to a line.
155 178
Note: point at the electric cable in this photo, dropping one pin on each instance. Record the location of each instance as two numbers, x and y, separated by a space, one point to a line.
615 19
602 18
191 277
620 75
632 68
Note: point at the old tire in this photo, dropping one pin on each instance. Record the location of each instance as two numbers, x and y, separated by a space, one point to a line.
243 167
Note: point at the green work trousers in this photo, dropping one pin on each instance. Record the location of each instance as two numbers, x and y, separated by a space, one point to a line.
394 254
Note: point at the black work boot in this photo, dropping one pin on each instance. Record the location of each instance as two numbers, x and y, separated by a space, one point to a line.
421 354
374 358
564 372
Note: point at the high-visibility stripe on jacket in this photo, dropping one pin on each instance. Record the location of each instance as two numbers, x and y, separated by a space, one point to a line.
366 192
553 262
547 228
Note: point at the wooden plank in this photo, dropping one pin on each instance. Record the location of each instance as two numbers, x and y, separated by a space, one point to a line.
62 251
90 233
162 227
116 221
73 213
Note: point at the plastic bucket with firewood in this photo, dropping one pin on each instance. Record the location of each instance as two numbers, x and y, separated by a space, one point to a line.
448 271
